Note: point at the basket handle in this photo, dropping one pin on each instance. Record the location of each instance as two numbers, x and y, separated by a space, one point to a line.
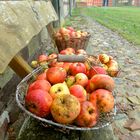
71 58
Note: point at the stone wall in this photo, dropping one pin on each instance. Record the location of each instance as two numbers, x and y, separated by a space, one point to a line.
9 111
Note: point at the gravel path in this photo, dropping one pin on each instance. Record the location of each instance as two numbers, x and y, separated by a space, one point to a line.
103 40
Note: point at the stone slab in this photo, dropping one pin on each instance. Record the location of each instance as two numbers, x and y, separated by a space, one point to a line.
33 130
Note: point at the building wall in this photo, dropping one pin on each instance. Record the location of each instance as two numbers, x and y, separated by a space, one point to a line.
9 81
92 3
136 2
66 7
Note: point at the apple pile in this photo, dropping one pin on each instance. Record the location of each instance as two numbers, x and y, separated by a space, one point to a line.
69 37
68 33
109 64
71 92
43 59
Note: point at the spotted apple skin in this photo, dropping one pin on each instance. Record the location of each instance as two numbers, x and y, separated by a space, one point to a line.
102 81
105 100
88 115
65 108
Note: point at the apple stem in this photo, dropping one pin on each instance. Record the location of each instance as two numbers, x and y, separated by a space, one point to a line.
91 65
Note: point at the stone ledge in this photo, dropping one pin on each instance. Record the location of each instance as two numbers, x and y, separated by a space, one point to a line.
33 130
4 120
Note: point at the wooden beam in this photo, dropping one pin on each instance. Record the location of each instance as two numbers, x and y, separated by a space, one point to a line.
51 32
20 66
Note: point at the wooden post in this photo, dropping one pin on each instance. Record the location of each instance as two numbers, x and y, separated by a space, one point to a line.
20 66
70 7
51 32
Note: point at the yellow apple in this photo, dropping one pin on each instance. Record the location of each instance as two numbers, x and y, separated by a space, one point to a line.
112 63
70 80
34 64
59 89
113 71
104 58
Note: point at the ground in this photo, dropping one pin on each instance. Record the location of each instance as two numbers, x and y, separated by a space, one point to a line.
127 123
106 41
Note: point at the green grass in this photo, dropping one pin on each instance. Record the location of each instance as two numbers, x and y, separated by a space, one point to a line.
124 20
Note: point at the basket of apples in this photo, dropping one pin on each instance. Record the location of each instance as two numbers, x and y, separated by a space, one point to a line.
71 93
69 37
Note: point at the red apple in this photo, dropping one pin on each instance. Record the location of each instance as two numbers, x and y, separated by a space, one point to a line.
42 58
71 29
66 66
77 67
102 81
87 73
57 64
41 76
73 34
66 52
81 51
88 115
40 84
79 92
63 30
52 62
58 89
72 50
52 56
56 75
88 87
105 100
38 102
93 98
96 70
81 79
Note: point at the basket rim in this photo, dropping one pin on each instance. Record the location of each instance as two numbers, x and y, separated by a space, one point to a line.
50 122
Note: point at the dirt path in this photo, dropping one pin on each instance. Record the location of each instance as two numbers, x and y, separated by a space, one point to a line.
106 41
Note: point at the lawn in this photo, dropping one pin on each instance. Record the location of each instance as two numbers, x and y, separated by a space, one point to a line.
124 20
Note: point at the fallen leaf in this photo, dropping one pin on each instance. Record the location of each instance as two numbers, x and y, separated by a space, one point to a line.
134 99
132 124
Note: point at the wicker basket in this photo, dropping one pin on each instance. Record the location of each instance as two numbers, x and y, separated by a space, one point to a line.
76 43
104 120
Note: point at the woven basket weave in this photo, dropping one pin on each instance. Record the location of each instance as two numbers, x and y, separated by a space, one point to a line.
76 43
